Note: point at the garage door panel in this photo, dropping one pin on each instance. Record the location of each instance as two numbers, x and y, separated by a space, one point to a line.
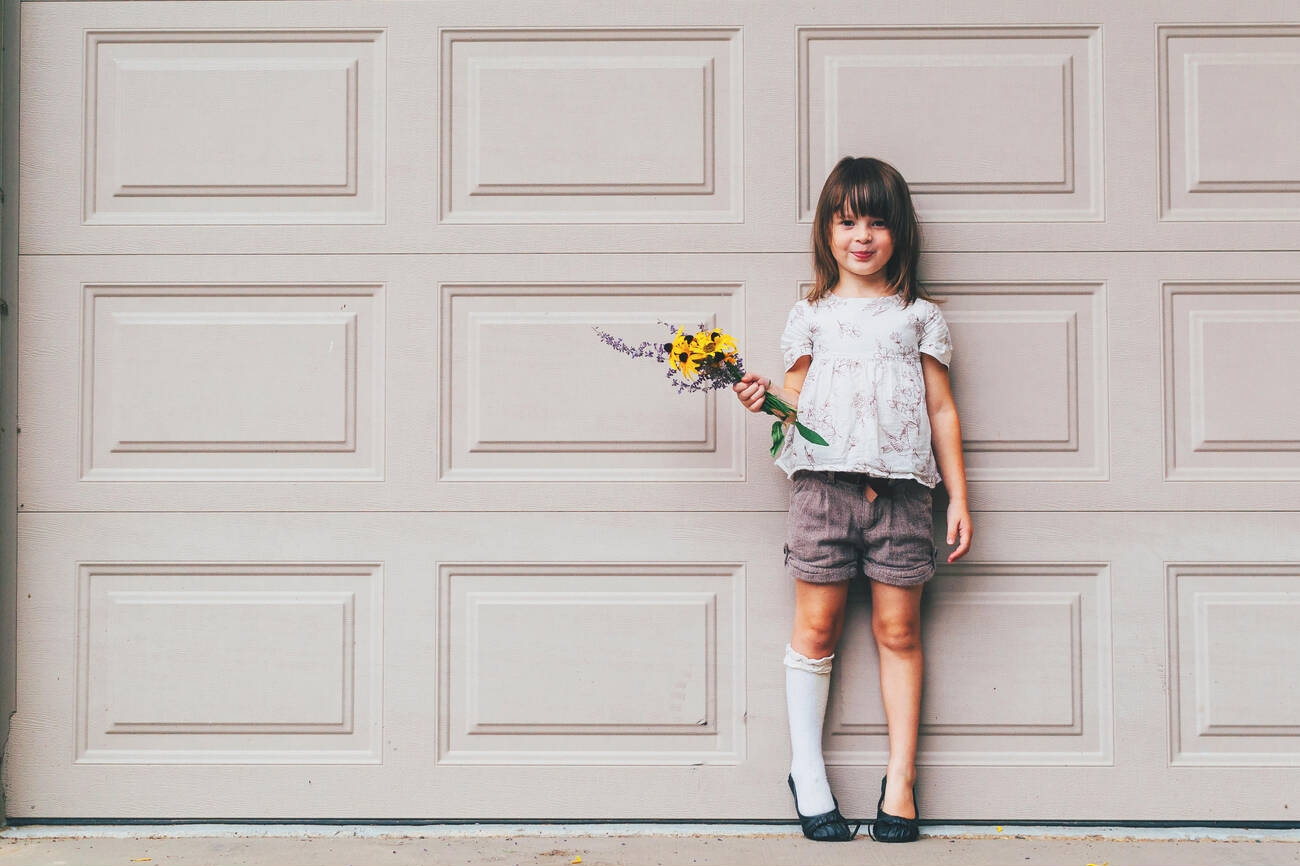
652 133
233 383
199 127
1223 157
215 669
620 663
211 376
194 124
1225 344
1233 697
229 663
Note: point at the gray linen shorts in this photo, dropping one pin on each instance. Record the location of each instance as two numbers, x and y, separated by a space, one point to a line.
835 534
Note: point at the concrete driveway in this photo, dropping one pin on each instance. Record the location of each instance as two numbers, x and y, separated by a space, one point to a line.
628 846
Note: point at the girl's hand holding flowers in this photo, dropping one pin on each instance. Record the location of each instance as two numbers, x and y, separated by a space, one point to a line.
751 389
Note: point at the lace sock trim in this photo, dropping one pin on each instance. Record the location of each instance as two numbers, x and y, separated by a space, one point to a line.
801 662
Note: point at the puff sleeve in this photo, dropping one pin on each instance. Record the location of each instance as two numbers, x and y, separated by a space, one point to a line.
797 338
935 341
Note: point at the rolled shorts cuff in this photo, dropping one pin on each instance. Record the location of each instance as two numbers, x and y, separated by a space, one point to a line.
812 574
815 575
899 576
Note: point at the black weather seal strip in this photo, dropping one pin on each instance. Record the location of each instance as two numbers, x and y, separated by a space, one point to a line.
756 822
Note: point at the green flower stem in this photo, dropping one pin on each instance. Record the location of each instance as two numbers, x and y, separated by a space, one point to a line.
774 405
786 414
783 412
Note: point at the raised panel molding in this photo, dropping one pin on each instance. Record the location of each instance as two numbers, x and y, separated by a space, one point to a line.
685 82
1224 344
152 173
571 639
141 612
1233 694
1030 372
1054 425
1218 334
547 695
229 663
985 87
217 127
990 708
1229 120
208 382
651 129
495 336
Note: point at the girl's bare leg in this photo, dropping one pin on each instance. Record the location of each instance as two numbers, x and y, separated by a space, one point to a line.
818 617
896 624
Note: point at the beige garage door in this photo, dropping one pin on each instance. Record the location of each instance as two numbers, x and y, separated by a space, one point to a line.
331 506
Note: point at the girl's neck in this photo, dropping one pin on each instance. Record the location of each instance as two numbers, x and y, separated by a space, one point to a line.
853 286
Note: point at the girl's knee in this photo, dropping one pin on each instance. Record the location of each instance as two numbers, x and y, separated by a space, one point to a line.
816 637
897 634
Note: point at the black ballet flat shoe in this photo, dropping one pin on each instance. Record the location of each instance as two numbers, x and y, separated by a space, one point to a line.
891 828
826 827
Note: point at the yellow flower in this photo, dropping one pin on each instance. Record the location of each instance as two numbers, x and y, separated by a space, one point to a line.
685 355
719 341
714 349
687 363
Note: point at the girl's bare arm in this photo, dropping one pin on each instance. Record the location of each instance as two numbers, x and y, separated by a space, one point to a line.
945 434
752 387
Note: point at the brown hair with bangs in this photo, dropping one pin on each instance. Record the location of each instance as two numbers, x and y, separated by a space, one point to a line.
864 186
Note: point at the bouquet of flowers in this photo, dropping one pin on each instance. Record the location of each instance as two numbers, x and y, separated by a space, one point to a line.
706 361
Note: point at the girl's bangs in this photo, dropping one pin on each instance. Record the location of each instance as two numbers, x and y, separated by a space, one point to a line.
865 195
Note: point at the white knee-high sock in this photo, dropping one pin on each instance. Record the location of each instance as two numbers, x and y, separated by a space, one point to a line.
807 687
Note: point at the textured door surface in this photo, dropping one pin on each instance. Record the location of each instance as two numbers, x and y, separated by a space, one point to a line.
331 505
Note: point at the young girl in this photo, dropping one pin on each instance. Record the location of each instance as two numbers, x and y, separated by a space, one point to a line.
866 358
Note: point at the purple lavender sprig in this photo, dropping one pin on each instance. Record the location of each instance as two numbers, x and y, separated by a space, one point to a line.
658 351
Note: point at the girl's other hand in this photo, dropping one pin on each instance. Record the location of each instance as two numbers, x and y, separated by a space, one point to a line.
959 529
751 389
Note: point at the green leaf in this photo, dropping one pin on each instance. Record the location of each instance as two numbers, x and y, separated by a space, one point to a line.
811 435
778 436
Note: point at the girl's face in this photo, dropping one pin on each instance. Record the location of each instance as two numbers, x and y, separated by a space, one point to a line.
862 246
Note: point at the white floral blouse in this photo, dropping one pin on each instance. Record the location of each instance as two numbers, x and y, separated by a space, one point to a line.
864 393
